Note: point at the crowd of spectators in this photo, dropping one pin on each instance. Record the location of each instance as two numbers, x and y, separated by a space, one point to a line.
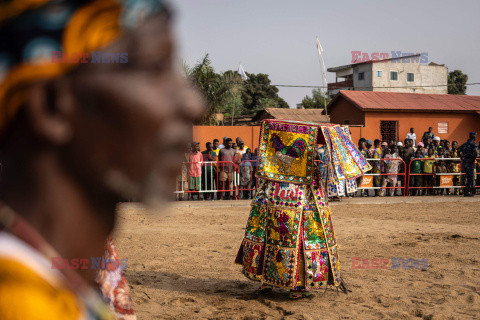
426 159
219 169
227 170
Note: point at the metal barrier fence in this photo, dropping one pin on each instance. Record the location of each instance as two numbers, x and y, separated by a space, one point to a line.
439 180
374 181
246 178
218 178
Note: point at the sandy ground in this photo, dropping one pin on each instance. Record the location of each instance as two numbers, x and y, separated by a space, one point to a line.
180 263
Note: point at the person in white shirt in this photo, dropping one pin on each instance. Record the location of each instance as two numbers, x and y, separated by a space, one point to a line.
412 135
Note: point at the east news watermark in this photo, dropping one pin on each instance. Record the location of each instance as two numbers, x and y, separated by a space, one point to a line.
395 56
98 263
395 263
90 57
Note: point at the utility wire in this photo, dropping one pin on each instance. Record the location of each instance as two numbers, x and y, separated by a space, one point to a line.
371 87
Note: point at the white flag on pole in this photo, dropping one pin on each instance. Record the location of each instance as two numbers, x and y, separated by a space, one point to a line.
242 72
319 46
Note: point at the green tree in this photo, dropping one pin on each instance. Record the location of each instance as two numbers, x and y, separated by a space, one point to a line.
316 101
216 88
456 82
227 93
258 93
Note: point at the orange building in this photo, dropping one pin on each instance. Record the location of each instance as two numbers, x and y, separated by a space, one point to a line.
389 116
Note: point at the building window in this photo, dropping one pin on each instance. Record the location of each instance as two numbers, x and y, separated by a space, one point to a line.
389 130
361 76
379 73
442 127
410 77
393 75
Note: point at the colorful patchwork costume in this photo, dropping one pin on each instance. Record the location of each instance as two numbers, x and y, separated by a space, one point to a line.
289 240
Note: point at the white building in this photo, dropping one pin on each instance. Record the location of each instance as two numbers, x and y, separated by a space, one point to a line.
404 74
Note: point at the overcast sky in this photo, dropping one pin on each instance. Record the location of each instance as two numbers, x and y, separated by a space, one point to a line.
277 37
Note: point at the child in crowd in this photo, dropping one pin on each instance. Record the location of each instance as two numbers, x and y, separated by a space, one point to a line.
254 167
428 166
363 148
454 168
454 150
408 151
415 178
246 174
440 168
391 168
209 171
194 170
377 166
421 147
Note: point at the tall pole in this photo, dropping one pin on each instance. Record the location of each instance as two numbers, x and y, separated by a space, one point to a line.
323 71
233 108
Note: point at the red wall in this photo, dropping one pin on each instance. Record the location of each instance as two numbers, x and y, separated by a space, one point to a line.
204 134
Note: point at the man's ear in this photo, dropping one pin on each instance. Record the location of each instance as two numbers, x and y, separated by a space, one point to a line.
50 110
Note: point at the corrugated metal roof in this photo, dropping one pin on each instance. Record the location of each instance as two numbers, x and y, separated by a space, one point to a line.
374 100
311 115
333 69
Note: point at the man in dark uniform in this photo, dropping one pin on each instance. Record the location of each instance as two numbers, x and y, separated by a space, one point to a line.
469 152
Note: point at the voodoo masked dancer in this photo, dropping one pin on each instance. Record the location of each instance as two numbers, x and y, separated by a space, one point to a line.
289 239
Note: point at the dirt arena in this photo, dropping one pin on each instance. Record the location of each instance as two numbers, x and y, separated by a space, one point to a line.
180 262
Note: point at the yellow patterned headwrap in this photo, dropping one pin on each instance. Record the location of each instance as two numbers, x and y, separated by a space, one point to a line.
31 30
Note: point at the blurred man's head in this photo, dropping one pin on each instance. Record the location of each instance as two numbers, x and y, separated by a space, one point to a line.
454 144
472 136
117 129
429 129
412 130
376 143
